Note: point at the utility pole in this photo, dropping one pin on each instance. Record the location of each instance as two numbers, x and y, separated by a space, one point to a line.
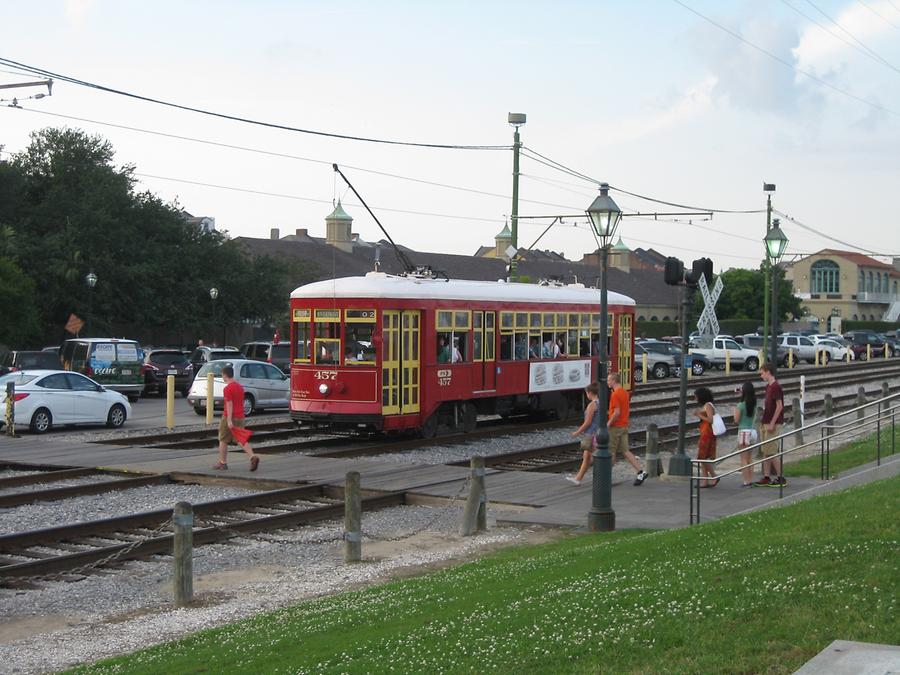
516 120
768 188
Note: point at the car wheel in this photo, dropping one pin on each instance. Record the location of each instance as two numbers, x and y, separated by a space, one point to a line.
249 405
116 417
826 357
199 410
752 363
660 371
638 376
41 421
698 368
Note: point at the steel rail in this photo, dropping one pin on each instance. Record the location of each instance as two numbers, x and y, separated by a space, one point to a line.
55 494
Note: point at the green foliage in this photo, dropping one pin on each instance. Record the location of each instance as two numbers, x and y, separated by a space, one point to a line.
18 307
877 326
743 293
66 209
620 602
656 329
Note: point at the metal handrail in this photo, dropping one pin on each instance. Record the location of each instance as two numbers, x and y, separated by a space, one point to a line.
828 430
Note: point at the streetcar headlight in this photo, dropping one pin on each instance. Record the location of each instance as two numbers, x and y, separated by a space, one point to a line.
323 389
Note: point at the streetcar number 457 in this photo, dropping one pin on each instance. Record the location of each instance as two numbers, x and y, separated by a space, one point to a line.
326 374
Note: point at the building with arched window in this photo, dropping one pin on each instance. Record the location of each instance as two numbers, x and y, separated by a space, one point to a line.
824 282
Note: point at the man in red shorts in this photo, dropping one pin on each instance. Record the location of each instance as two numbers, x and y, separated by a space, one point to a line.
232 416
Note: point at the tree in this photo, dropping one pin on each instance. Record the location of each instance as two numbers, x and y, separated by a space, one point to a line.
743 293
18 306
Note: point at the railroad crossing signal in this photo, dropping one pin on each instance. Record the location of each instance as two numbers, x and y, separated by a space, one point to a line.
708 324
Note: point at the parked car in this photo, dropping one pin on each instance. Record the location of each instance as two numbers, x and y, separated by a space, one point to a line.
893 343
741 357
861 341
699 363
755 341
44 398
659 366
21 360
265 386
833 350
160 363
203 355
278 354
802 347
113 362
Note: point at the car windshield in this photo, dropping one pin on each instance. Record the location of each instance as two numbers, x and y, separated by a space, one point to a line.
281 351
38 360
17 378
214 367
167 358
230 354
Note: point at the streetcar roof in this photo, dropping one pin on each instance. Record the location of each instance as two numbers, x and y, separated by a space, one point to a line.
382 285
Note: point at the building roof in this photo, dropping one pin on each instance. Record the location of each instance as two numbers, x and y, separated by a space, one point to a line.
860 259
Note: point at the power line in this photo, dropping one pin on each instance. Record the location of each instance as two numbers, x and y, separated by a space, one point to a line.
236 118
790 65
282 155
866 49
861 48
879 15
822 234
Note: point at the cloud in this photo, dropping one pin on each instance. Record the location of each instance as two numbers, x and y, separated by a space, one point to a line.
77 10
819 47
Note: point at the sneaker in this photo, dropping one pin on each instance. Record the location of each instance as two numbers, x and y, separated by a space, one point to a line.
254 463
762 481
746 484
778 482
641 477
573 480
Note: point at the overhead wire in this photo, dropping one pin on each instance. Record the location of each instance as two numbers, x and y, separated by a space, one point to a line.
784 62
864 50
823 235
878 14
237 118
281 155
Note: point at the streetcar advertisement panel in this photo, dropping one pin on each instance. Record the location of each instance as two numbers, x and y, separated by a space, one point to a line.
556 375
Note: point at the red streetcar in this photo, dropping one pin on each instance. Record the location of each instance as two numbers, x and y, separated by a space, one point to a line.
388 353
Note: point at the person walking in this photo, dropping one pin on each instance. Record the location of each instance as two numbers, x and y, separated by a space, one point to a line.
619 413
232 416
589 428
706 446
772 421
745 416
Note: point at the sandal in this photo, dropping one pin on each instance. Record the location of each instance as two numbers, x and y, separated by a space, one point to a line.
254 463
220 466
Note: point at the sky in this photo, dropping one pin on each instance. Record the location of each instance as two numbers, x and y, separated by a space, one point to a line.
694 102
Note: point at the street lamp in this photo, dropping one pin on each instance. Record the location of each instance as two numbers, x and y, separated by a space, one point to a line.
605 215
213 294
91 280
776 243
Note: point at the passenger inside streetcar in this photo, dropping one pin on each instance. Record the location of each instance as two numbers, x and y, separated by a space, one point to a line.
443 349
533 349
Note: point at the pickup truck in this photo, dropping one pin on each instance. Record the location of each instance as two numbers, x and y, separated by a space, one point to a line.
714 350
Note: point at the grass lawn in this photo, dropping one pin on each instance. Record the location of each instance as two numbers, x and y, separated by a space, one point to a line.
842 459
762 592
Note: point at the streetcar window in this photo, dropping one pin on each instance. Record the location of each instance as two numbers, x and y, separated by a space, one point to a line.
506 346
573 321
444 319
521 342
534 320
572 342
489 344
328 342
477 336
301 334
534 346
521 320
451 348
359 334
549 320
561 320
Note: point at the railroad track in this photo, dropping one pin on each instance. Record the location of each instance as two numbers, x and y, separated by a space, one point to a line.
69 550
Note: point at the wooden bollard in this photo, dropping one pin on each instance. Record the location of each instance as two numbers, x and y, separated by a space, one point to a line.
170 402
652 462
183 553
10 408
475 513
210 388
798 421
728 362
860 401
352 518
644 367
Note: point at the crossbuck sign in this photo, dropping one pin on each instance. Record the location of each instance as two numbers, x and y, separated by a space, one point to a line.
708 324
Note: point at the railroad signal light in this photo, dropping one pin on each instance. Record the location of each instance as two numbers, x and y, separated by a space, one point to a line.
702 267
674 274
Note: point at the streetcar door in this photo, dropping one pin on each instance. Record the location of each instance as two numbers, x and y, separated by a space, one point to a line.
626 369
490 342
400 350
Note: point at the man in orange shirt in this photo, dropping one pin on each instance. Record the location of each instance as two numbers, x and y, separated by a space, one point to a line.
618 426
